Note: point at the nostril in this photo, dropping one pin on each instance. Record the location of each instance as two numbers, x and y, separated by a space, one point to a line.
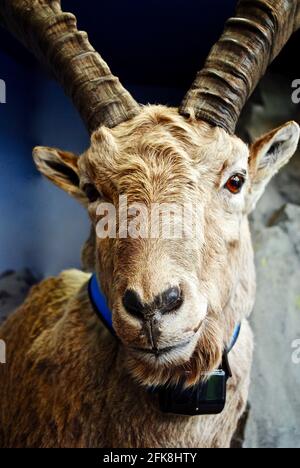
169 301
172 299
132 303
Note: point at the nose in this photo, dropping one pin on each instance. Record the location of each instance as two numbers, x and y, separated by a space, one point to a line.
169 301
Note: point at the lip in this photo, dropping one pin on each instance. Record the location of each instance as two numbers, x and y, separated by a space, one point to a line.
161 351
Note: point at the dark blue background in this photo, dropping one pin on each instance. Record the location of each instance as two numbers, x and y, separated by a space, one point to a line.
155 47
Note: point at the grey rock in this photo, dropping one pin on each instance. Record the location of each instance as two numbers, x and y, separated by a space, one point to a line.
287 181
288 218
274 420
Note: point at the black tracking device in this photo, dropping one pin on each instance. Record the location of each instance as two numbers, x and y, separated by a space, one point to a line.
207 397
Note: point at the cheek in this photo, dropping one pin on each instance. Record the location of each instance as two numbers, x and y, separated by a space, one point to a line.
105 262
228 218
231 230
222 247
222 227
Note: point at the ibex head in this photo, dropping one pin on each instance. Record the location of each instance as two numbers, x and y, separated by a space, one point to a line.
175 301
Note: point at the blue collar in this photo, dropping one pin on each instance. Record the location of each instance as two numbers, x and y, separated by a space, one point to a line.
99 303
234 338
100 306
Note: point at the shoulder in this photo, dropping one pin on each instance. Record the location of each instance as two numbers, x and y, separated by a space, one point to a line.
45 304
58 288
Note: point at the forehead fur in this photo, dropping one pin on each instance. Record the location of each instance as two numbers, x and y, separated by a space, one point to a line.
163 147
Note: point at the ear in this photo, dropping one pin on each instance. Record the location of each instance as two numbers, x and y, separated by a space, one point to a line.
268 155
61 167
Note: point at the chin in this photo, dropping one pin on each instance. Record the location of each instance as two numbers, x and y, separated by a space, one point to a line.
189 361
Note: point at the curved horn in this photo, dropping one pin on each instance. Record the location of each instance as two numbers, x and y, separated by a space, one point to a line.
239 59
53 37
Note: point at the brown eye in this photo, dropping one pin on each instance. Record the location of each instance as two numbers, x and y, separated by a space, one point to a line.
91 192
235 183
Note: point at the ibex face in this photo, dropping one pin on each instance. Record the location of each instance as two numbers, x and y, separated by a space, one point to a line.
170 297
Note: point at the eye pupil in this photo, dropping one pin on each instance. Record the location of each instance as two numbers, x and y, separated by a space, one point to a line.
91 192
235 183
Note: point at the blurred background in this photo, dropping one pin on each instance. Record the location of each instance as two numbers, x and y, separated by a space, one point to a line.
156 49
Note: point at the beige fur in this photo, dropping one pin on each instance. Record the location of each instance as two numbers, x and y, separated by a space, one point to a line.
67 380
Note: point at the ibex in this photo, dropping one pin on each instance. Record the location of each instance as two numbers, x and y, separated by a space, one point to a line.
71 381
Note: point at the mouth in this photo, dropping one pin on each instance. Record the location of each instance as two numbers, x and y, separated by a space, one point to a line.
162 351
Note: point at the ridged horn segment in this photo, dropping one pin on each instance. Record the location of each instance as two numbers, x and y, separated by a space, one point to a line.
53 37
238 61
